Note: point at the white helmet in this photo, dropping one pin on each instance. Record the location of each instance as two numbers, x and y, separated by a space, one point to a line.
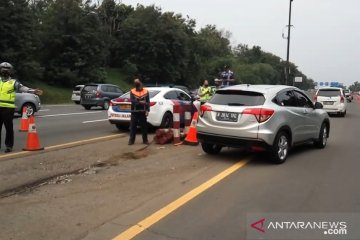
5 70
6 65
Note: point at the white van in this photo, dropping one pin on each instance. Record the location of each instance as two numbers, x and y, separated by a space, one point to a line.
333 100
76 94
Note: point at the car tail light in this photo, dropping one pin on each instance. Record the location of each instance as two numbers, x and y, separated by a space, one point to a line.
261 114
98 94
152 104
205 108
315 98
342 99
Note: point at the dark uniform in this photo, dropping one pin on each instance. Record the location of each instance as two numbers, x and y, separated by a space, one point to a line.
227 77
140 104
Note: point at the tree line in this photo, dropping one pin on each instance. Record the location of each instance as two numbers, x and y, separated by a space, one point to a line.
69 42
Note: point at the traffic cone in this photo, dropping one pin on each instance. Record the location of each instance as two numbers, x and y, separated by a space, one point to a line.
191 138
24 123
32 143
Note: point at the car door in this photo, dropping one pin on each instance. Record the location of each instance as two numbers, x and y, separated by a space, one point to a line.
185 104
172 98
311 122
292 115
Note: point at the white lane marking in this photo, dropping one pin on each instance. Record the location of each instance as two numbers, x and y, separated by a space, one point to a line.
68 114
100 120
60 105
44 110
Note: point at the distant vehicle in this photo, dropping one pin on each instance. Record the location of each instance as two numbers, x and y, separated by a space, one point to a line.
99 95
76 94
162 100
348 95
268 117
333 100
30 101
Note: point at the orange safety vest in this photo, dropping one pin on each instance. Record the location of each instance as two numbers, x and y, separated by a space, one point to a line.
141 96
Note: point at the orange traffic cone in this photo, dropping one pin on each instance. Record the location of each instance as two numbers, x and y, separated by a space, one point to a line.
32 143
191 138
24 123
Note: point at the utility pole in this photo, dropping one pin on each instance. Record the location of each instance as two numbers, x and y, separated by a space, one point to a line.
288 49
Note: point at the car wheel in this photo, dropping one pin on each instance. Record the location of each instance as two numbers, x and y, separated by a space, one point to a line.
279 151
323 136
211 148
87 107
30 109
106 105
167 120
77 102
343 114
122 127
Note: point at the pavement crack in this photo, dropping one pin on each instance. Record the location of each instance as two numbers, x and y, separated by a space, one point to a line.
61 178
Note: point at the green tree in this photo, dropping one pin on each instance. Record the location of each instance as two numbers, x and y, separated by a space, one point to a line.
155 43
74 49
17 39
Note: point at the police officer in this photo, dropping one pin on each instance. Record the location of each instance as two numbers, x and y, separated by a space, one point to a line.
205 92
8 89
227 77
140 107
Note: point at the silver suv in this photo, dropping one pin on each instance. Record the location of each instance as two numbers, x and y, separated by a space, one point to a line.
28 100
267 117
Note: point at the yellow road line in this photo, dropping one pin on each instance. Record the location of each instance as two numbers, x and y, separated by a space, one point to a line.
65 145
162 213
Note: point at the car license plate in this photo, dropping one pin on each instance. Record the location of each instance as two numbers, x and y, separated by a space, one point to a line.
227 116
125 106
328 103
120 115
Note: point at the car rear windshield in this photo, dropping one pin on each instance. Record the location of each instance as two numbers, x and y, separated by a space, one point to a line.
77 88
237 98
90 88
329 93
152 93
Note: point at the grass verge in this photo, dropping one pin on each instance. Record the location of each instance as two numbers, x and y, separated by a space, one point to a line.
61 95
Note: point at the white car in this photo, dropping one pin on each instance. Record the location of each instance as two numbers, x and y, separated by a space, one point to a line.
162 100
76 94
333 100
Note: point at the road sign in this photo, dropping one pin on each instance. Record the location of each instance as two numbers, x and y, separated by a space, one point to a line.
298 79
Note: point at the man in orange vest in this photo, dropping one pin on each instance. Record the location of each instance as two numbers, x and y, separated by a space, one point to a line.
140 107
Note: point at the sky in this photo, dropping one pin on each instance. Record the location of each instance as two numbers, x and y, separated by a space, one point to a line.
325 39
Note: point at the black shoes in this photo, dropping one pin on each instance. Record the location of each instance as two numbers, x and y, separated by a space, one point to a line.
8 149
144 142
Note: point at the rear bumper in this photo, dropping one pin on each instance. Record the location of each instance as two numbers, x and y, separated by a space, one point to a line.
92 102
230 141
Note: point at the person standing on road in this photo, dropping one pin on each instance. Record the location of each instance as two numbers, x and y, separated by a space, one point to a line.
8 89
227 77
140 107
205 92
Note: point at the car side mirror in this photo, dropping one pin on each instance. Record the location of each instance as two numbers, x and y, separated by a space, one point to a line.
318 105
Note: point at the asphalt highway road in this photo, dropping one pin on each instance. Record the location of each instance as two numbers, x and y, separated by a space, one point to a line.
168 192
58 124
